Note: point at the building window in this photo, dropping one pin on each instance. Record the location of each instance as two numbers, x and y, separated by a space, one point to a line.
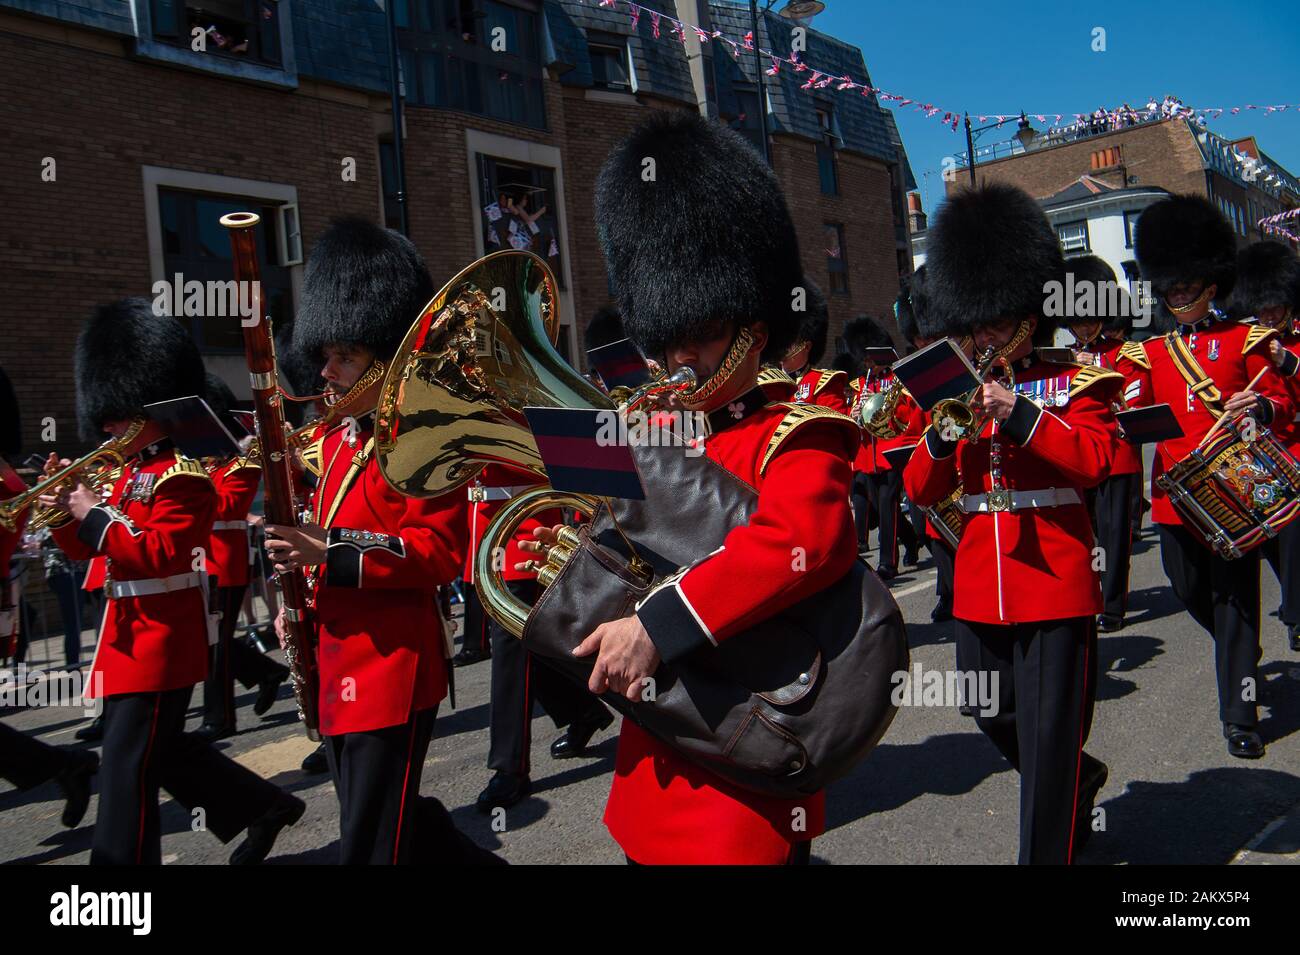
745 120
241 29
1130 228
1073 236
520 209
480 56
837 264
826 152
197 247
610 66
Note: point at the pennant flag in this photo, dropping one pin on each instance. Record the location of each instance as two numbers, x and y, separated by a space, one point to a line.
936 372
775 68
1150 424
749 40
619 364
577 455
654 24
635 12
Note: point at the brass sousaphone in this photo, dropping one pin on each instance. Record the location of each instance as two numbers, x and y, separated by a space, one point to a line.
782 709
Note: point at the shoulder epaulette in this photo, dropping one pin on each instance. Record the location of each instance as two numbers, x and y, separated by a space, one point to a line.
826 376
1089 375
184 467
1256 335
1136 353
796 416
773 375
312 457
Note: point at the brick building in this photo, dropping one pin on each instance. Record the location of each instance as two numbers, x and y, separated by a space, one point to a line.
127 143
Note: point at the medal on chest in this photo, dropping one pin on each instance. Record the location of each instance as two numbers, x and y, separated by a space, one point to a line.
802 392
140 489
1212 351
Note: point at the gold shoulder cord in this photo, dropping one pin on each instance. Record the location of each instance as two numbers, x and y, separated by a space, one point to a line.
184 467
1257 334
1089 375
796 416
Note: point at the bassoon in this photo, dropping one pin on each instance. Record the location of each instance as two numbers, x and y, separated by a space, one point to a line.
281 507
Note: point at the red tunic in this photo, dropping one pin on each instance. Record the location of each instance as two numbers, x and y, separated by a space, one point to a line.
1128 457
1289 434
481 513
380 652
819 386
663 808
871 458
1036 563
10 486
156 524
1231 354
236 482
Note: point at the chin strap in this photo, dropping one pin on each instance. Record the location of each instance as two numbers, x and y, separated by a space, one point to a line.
706 389
1184 309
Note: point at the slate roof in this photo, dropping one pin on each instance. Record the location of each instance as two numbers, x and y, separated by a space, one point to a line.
113 16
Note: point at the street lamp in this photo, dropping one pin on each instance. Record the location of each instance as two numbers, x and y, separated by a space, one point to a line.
1024 135
799 12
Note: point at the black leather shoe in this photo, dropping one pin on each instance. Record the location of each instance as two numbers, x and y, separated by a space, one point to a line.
503 790
942 611
74 782
1293 635
1094 776
887 573
468 656
1243 741
579 734
910 559
262 834
267 691
1109 623
93 732
315 762
210 732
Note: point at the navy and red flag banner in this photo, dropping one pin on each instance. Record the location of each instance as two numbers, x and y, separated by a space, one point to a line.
619 364
584 452
937 372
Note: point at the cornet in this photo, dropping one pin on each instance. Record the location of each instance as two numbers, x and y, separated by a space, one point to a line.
957 418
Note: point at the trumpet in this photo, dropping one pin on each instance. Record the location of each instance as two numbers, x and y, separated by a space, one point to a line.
96 469
958 416
877 412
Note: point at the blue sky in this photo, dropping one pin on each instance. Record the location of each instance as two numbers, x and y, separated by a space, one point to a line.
1000 57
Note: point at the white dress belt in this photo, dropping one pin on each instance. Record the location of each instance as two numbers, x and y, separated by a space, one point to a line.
117 589
499 493
230 525
1019 500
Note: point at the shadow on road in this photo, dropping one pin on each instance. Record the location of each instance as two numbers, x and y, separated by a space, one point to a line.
894 775
64 843
1206 819
1123 653
1280 692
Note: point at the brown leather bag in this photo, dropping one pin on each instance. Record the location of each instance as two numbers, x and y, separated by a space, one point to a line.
782 709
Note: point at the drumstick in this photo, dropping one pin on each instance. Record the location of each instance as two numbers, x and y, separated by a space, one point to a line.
1250 387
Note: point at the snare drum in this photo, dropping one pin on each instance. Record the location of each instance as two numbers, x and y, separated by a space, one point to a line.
1235 493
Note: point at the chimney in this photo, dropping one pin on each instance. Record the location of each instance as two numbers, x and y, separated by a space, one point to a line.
915 214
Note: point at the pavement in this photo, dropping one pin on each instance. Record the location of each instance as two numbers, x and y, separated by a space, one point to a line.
934 791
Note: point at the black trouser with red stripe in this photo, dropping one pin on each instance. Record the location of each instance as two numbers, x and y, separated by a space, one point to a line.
517 680
233 660
1111 506
27 762
886 489
1283 553
1046 686
1223 597
145 747
377 778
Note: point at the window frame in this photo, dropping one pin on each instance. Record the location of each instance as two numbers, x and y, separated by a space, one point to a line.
837 265
1087 238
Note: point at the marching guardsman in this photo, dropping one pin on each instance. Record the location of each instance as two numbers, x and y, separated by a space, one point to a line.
236 481
1200 367
1098 339
1268 293
814 386
884 483
25 762
147 539
737 284
1026 594
375 559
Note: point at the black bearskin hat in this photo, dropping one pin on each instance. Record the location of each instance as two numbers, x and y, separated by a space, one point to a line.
907 310
990 255
846 363
364 285
11 432
605 328
862 333
1090 270
128 357
816 321
1186 239
706 240
1268 273
299 372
